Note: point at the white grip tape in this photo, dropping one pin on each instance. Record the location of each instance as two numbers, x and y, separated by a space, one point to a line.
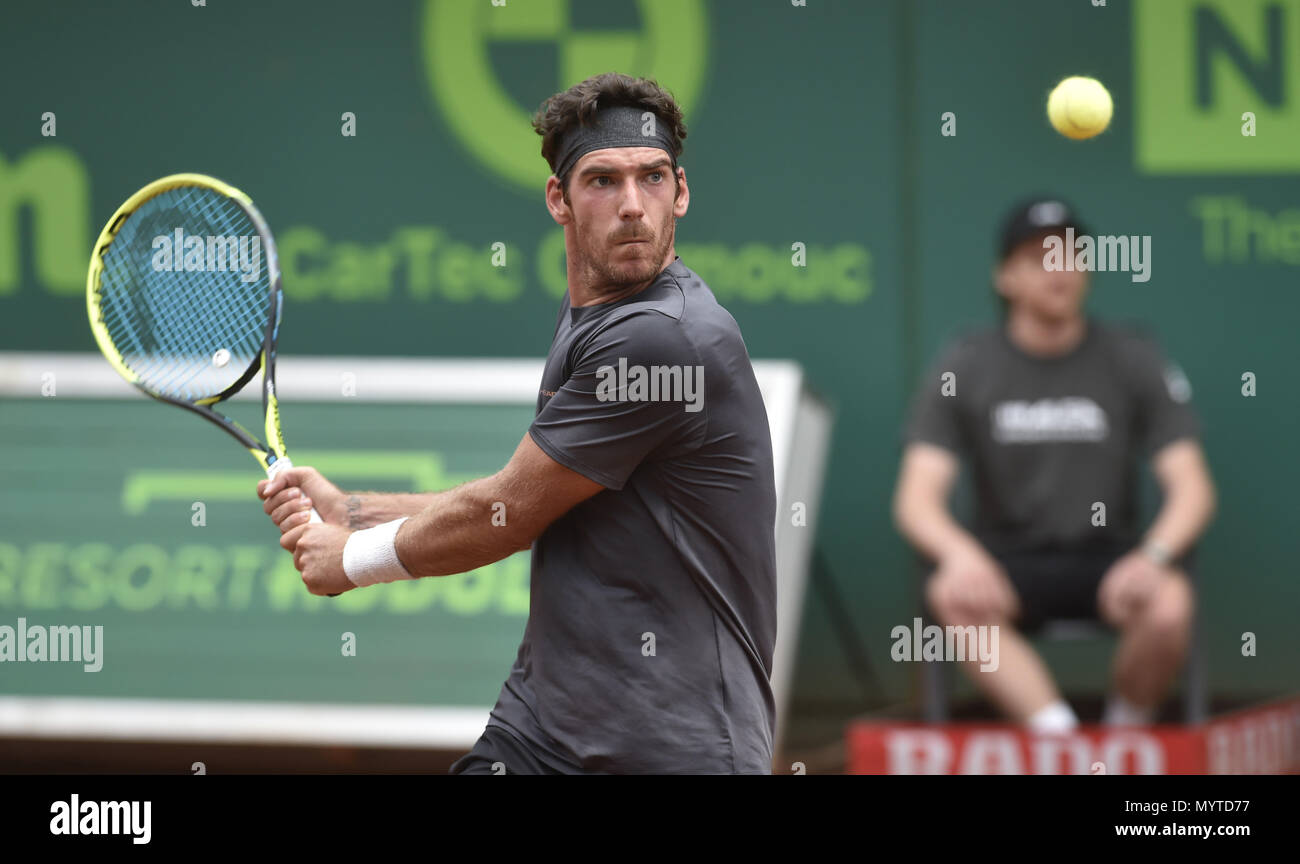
283 464
370 555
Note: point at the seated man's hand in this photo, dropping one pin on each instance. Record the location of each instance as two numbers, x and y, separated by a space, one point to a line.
974 586
1128 585
289 497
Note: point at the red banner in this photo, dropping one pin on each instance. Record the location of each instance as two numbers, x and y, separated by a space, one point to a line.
1264 740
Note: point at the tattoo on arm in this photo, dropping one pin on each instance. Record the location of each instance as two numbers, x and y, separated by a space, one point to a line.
354 512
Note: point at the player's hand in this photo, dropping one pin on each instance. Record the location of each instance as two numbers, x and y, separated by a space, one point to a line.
318 554
289 496
1128 585
971 580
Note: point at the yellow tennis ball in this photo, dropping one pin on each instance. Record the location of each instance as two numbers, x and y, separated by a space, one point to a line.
1079 107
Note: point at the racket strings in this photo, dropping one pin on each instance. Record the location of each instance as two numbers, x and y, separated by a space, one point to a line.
153 360
167 325
184 317
167 319
190 321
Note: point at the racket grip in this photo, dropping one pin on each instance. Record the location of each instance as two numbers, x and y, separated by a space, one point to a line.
283 464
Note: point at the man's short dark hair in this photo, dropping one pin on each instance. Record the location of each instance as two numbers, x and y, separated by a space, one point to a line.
579 104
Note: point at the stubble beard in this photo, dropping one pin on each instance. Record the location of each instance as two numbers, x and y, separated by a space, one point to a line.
607 277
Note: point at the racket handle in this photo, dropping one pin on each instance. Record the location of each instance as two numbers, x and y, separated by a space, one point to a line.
283 464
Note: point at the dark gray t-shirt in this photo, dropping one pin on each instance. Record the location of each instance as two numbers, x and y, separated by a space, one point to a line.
649 640
1046 438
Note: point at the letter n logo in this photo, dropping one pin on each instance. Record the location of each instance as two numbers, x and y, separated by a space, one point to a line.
1198 66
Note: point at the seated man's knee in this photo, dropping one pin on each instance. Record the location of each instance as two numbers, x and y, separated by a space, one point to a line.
950 607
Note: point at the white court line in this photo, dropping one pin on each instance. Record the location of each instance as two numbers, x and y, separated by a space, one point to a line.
242 722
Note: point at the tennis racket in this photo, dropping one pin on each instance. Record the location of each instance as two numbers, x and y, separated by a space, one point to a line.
184 300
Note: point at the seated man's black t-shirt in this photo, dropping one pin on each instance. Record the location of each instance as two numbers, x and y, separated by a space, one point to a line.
1048 439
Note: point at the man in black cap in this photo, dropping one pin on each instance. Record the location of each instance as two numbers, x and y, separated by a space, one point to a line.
644 487
1051 411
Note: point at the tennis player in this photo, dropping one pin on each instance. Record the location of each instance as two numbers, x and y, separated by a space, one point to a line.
644 487
1052 411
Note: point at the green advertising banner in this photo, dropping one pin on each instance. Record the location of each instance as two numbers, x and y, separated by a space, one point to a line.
182 569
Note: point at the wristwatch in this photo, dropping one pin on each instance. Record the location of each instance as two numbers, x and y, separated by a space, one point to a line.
1158 552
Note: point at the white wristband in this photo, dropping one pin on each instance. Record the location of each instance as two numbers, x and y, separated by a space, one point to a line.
370 556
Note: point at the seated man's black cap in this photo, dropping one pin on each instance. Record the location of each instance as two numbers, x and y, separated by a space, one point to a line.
1033 217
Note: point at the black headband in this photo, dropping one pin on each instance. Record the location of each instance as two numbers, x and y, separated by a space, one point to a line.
619 126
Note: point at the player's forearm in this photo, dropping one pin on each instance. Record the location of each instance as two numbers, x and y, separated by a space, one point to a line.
1186 512
460 530
929 526
368 509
